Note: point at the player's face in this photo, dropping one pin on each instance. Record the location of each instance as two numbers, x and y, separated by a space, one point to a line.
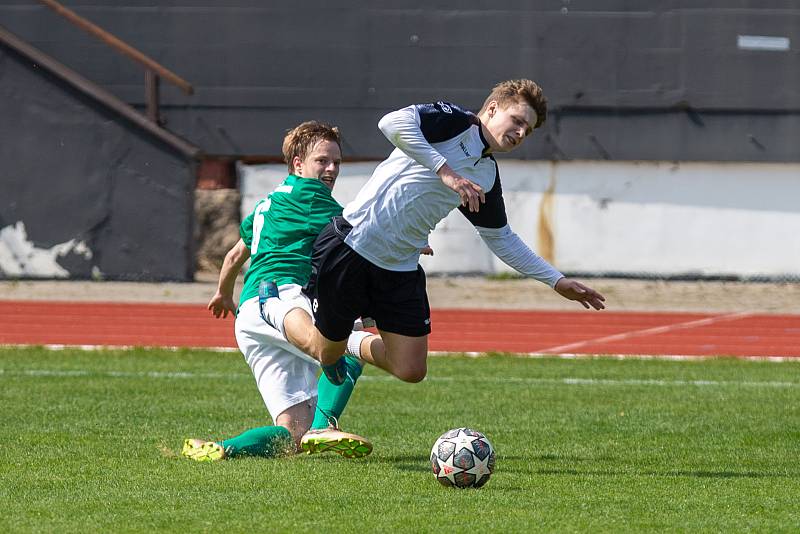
321 163
509 126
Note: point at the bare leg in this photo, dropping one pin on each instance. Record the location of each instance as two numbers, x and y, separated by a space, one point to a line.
402 356
297 420
301 332
297 326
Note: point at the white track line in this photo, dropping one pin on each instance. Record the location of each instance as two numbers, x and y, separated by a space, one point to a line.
584 356
59 346
566 381
571 347
538 354
118 374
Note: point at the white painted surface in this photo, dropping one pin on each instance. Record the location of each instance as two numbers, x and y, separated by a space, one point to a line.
633 218
19 257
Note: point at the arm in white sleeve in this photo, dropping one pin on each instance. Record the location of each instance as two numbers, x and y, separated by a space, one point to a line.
508 246
402 129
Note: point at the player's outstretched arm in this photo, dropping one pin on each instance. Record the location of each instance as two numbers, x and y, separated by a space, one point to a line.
222 301
574 290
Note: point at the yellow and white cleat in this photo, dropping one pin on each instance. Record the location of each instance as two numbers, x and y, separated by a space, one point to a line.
203 451
333 439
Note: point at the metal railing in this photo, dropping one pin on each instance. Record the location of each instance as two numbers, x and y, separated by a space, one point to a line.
153 70
96 92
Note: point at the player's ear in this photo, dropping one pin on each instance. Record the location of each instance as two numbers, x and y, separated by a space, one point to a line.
491 109
297 165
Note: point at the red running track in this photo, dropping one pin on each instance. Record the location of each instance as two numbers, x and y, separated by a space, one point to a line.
548 332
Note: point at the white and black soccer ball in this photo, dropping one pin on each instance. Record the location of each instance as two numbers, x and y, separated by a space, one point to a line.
463 458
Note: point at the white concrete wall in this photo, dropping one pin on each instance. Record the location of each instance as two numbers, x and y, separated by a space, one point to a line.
633 218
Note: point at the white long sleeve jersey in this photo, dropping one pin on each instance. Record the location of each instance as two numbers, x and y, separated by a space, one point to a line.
405 199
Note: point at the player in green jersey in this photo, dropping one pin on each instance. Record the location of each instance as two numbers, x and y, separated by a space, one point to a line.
277 237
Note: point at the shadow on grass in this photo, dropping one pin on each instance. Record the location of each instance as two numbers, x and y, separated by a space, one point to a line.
421 464
698 473
405 462
417 468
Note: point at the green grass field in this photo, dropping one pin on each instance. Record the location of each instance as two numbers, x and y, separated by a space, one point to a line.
90 442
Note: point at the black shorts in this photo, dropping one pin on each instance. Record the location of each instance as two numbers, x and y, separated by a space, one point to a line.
344 286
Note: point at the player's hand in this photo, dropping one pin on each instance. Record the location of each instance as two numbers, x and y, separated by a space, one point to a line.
427 250
471 193
574 290
221 304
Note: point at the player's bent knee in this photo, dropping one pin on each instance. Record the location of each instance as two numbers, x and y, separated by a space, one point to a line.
327 351
412 374
406 356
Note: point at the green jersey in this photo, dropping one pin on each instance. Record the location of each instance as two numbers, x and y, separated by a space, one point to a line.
281 231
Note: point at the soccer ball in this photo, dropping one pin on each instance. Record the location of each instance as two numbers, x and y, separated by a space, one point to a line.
463 458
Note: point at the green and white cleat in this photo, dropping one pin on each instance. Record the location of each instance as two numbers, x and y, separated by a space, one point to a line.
203 451
333 439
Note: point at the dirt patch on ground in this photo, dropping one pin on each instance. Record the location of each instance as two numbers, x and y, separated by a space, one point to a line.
465 292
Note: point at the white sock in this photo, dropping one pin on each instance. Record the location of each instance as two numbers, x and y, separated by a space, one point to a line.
354 343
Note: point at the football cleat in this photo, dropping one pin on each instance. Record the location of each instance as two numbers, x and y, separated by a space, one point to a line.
203 451
333 439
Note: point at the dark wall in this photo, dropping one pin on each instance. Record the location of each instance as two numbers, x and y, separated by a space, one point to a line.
70 170
630 79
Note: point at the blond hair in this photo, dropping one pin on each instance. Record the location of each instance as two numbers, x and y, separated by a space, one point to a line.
302 139
519 92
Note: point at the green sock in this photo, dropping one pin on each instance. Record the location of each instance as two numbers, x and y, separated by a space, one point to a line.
266 441
332 399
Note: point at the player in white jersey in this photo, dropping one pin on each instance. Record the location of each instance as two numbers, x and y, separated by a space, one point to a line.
442 161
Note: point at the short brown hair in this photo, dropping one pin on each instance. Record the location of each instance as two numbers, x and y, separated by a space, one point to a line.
519 92
301 139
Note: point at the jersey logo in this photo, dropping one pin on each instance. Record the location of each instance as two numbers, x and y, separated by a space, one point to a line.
464 149
314 305
428 321
445 107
